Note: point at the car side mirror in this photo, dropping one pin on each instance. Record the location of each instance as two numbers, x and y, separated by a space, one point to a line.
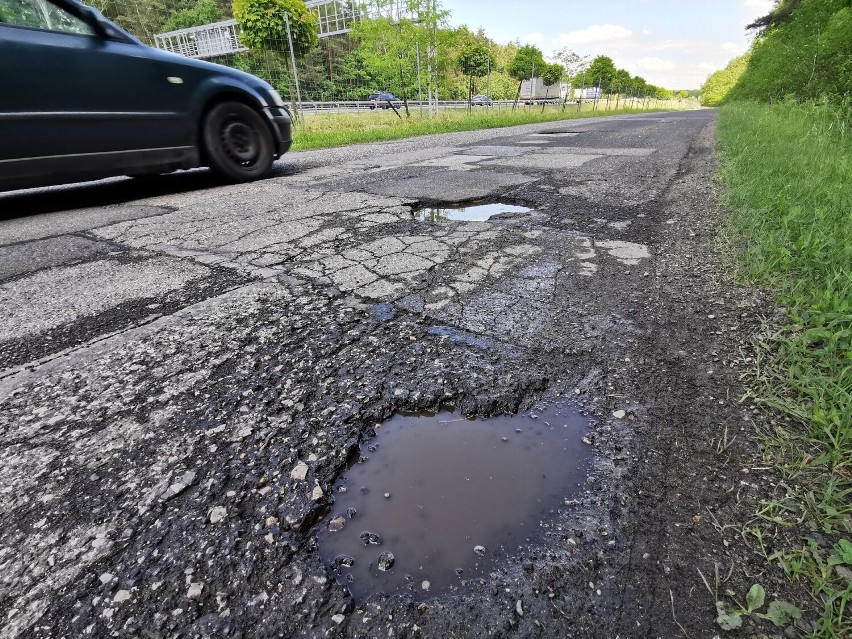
102 28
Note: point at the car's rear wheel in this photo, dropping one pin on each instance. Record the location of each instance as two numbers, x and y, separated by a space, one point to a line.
237 142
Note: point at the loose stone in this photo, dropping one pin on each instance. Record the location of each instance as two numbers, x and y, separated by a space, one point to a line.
386 561
370 538
194 591
217 514
479 550
336 523
300 471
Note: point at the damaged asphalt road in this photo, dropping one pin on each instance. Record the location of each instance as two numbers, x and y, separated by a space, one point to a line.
184 374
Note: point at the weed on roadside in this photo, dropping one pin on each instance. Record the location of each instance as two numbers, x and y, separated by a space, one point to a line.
330 130
787 171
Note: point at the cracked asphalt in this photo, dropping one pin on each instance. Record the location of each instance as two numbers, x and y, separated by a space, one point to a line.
186 368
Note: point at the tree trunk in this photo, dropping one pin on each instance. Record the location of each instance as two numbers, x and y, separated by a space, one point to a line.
517 95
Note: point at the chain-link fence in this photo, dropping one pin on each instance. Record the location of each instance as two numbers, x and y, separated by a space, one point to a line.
342 56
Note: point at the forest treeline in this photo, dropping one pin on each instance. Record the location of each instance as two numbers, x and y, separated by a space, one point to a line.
385 52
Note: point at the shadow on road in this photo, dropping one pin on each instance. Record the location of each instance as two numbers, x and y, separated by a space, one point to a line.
111 191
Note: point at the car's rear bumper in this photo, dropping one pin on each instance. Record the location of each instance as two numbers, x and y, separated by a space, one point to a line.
284 125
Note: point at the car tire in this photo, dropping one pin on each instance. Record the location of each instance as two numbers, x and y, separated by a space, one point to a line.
237 143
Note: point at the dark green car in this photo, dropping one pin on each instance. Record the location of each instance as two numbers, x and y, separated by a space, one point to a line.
82 99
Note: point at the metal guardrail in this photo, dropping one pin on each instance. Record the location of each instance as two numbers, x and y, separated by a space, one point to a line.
309 107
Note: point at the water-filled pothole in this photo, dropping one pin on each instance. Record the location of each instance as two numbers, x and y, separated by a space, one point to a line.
467 213
437 500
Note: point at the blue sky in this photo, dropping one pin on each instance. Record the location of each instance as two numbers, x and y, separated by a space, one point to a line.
671 43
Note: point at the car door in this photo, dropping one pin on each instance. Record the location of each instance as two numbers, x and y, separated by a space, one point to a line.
74 99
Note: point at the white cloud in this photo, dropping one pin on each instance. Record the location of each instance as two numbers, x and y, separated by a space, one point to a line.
535 36
655 64
706 66
646 32
594 33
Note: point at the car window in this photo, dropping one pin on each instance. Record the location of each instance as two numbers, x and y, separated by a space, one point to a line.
40 14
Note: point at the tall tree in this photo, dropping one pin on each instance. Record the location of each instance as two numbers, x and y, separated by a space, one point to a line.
475 61
390 44
572 62
526 60
550 75
601 71
523 66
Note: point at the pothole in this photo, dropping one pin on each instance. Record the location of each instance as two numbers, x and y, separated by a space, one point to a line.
467 213
437 501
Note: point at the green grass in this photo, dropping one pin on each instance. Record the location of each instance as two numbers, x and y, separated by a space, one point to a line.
787 170
329 130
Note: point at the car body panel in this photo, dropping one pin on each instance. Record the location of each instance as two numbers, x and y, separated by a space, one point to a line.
78 106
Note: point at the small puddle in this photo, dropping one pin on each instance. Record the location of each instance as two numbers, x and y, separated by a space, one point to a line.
437 500
469 213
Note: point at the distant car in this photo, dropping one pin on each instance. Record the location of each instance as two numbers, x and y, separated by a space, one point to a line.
481 100
382 99
83 99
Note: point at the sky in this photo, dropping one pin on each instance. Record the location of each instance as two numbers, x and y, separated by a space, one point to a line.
673 44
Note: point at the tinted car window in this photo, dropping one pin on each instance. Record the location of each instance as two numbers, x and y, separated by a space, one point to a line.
40 14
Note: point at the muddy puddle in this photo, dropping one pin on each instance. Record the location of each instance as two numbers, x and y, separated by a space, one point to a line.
467 213
437 501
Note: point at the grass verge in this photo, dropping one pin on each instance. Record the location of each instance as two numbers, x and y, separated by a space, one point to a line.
787 170
325 130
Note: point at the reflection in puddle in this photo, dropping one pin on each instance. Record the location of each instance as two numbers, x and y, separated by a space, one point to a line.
471 213
436 500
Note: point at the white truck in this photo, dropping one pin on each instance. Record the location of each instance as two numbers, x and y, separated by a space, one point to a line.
536 90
